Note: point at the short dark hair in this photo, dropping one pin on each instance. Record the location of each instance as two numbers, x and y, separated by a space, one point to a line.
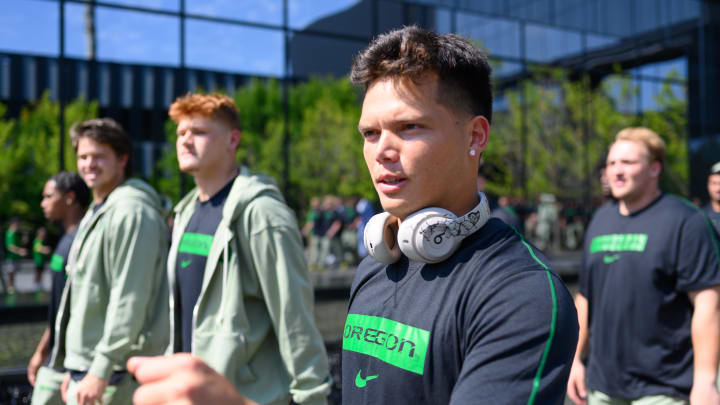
71 181
106 131
462 68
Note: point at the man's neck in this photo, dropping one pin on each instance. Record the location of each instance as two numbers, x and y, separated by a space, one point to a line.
209 184
99 195
72 219
715 205
630 206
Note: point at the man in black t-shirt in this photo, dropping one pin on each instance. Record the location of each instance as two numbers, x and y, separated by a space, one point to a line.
649 290
713 207
487 322
65 198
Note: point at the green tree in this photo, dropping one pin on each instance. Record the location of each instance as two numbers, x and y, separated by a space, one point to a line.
29 152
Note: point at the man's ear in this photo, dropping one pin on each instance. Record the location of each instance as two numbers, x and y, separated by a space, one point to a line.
123 161
479 129
655 169
235 136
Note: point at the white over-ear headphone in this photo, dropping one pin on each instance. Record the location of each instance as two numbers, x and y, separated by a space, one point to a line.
430 235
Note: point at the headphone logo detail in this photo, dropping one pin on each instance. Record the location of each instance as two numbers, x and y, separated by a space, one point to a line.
459 228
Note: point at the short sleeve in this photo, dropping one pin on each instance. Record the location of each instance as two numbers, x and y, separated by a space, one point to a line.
519 342
698 255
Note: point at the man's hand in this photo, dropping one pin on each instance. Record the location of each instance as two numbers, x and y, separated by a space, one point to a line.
36 361
90 390
64 387
704 391
576 390
181 378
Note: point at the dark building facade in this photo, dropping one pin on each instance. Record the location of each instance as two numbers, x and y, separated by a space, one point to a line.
146 53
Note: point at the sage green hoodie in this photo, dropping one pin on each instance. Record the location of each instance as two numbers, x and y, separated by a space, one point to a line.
115 300
253 321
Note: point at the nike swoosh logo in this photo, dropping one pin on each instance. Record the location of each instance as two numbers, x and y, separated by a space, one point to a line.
185 263
362 382
607 259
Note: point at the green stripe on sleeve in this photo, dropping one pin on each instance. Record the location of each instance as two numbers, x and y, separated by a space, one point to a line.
553 326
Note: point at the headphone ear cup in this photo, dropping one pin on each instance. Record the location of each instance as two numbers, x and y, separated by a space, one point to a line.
379 238
425 236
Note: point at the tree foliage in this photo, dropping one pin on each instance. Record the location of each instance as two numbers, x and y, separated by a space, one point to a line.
29 152
566 127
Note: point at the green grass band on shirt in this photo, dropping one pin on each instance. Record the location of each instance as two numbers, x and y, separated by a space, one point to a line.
553 325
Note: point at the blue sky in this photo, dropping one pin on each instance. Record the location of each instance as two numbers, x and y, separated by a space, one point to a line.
31 26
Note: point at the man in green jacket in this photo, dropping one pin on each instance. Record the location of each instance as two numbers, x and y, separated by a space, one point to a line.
241 298
114 304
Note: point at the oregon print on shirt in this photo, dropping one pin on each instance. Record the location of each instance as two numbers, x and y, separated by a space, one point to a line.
613 244
619 242
395 343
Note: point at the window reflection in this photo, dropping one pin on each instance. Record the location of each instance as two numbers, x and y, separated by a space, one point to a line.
266 11
501 37
350 17
170 5
316 55
29 26
123 36
234 48
546 44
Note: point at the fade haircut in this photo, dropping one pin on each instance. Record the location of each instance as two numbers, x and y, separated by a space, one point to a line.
652 141
462 69
71 181
213 105
106 131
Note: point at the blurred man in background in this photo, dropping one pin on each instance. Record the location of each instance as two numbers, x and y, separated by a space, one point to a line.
115 302
241 298
64 199
14 251
649 290
713 207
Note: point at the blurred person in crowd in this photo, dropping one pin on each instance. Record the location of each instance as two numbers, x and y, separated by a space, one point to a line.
649 290
713 207
40 252
64 199
365 211
241 298
348 235
311 242
115 300
479 320
505 212
330 250
547 221
14 251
